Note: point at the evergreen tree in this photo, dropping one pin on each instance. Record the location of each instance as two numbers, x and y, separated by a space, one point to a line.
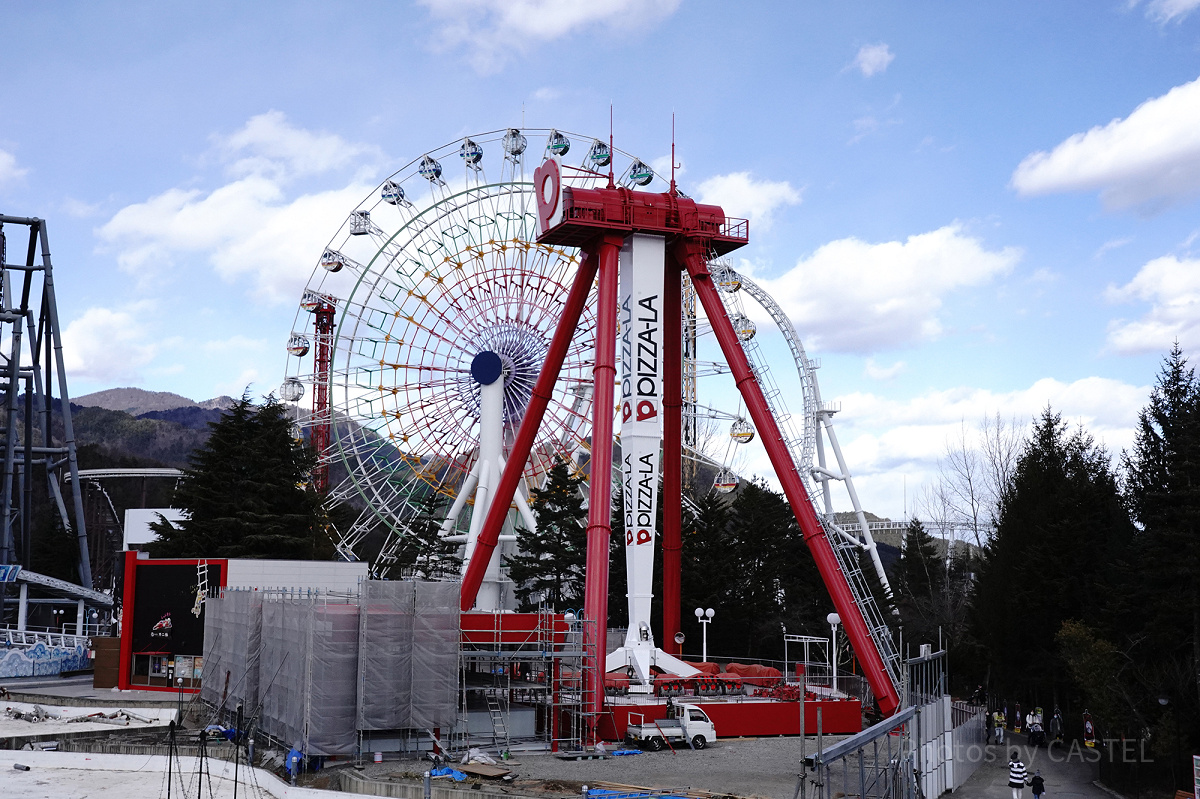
1061 537
618 582
550 565
423 553
245 494
1163 489
919 585
1158 625
755 570
706 561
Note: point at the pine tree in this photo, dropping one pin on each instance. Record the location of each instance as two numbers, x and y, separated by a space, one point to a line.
919 582
1061 537
550 564
423 553
1163 491
244 492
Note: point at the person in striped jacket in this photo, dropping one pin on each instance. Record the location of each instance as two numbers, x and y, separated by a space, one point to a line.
1017 775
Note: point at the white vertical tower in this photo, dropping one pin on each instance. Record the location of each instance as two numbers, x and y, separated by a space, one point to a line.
643 259
488 371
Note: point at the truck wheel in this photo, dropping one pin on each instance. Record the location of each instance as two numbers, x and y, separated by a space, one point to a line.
656 744
699 741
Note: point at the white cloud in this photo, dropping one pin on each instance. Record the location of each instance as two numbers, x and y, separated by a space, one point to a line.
886 441
9 171
851 295
877 372
269 145
247 378
1149 159
80 209
873 59
546 94
1112 244
892 446
492 31
1172 287
250 228
1165 11
662 166
107 346
741 195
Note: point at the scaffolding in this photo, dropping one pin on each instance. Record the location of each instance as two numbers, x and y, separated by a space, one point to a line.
394 667
523 682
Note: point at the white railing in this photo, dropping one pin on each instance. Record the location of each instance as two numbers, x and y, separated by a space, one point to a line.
28 638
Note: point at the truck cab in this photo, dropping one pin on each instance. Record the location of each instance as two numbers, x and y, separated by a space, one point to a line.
696 725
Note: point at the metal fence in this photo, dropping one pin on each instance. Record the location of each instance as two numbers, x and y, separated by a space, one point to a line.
969 740
877 763
932 746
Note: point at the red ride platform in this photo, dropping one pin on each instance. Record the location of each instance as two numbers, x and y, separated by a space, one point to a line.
744 716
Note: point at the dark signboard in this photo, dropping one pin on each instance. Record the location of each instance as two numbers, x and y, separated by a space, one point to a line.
164 597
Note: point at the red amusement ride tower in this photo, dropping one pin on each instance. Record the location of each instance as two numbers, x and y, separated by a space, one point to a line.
637 246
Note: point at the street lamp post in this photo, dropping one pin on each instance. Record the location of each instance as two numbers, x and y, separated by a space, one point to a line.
834 620
704 617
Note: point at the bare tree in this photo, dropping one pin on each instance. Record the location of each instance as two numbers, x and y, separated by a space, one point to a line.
972 475
1003 441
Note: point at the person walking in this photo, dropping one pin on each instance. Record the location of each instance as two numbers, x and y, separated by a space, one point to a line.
1038 785
1016 775
998 719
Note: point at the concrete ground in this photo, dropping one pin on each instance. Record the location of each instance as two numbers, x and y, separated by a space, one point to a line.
1069 772
79 691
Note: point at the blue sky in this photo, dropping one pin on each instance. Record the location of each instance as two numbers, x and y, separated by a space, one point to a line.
966 208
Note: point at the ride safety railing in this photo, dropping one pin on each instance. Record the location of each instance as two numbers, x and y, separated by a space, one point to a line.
28 638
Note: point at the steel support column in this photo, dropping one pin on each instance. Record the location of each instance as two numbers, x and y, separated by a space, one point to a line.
599 528
672 463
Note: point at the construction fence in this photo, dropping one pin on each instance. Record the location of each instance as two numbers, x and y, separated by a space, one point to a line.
318 667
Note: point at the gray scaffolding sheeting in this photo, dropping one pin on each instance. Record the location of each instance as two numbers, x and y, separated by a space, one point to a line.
232 640
408 655
309 664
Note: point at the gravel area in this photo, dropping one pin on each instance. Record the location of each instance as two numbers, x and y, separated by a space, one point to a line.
751 767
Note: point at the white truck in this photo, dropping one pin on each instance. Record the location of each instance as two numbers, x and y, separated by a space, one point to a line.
685 724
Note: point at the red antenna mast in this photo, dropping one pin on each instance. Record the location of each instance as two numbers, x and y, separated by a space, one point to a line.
672 152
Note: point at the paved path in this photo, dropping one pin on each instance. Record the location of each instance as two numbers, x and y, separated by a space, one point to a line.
79 691
1068 772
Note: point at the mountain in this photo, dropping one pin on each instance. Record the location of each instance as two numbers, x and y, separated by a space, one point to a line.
137 401
117 435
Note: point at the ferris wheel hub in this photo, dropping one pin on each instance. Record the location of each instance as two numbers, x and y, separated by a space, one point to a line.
486 368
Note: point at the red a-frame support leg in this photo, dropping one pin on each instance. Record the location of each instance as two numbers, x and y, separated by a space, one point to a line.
692 255
672 503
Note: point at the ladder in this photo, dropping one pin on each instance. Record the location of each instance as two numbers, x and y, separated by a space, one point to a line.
500 737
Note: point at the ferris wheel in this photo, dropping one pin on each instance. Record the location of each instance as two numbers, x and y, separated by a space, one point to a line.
440 266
